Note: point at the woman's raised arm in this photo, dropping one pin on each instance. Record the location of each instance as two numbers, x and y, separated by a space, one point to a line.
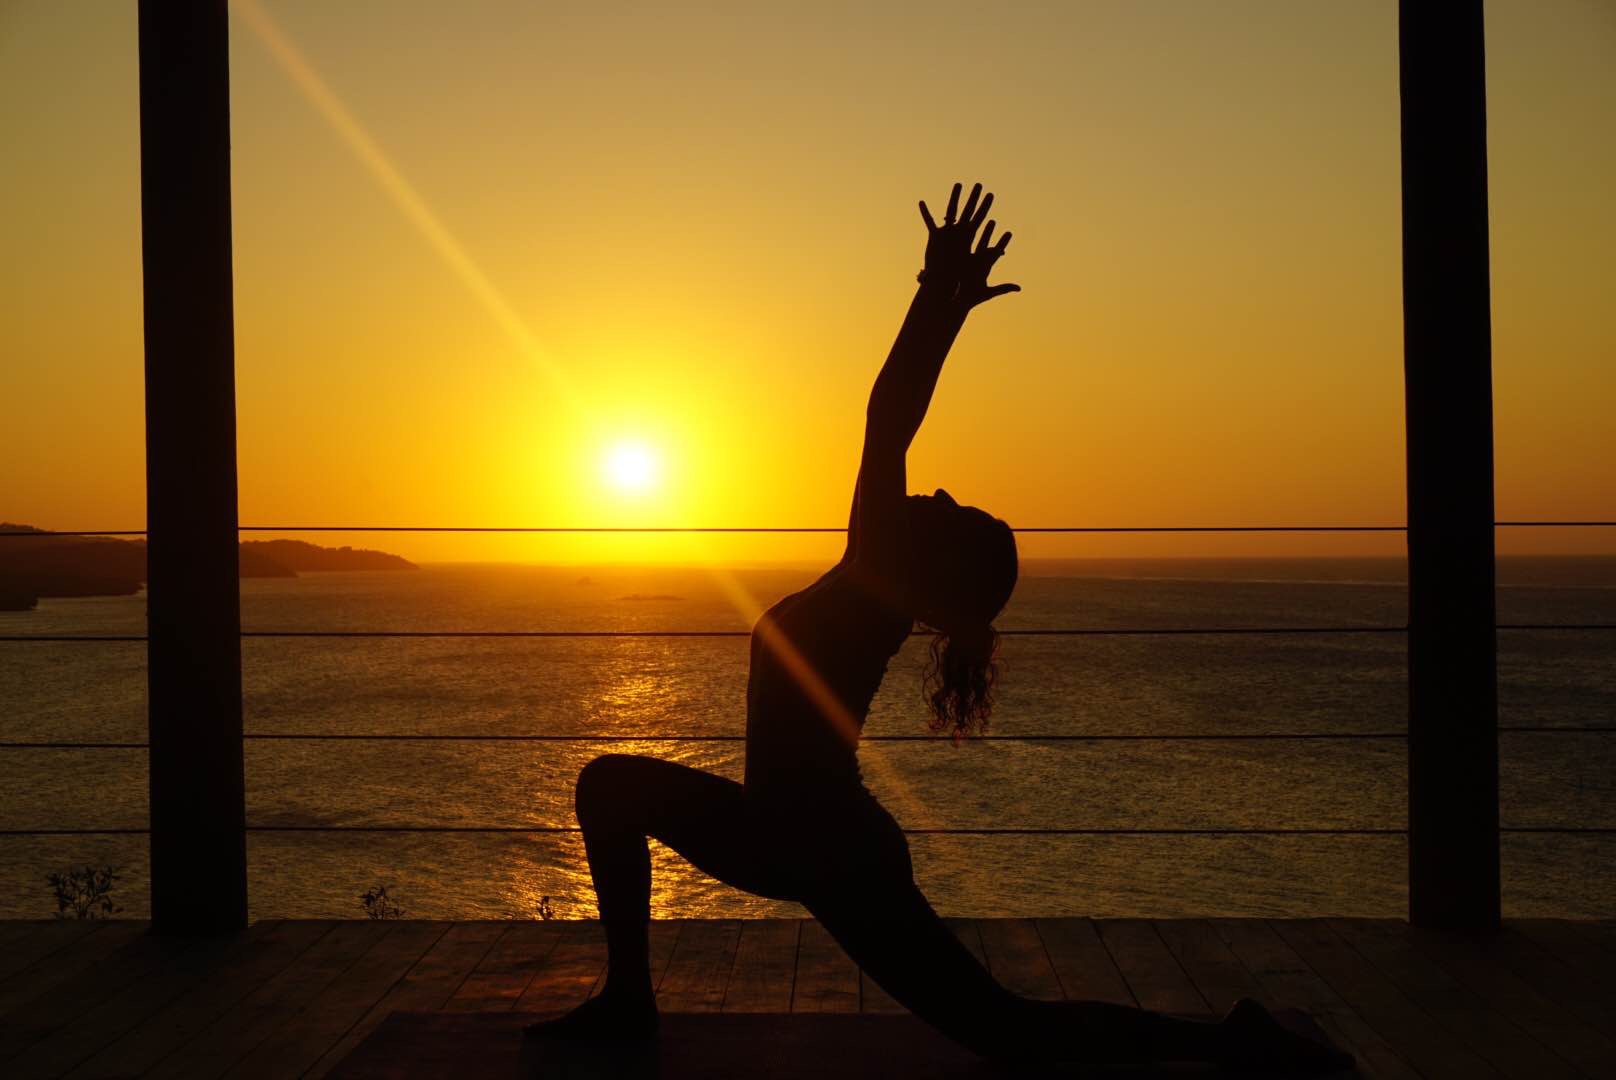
953 282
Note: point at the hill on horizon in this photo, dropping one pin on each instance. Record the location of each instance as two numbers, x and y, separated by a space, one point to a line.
56 566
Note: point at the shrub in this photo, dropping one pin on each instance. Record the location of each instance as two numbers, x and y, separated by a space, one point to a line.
86 893
378 905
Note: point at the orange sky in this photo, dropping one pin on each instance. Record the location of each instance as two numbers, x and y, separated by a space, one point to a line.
478 245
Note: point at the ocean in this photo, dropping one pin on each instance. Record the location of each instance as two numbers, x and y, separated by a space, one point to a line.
1336 684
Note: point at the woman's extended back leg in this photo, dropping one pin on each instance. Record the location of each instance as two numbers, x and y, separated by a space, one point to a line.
894 935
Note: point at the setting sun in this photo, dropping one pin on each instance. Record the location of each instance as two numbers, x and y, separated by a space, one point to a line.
631 467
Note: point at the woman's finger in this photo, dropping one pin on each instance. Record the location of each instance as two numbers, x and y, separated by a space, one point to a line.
1000 290
968 215
953 206
1004 242
931 226
987 238
982 211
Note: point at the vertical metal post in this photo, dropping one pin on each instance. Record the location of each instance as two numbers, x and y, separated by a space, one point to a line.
1453 872
198 815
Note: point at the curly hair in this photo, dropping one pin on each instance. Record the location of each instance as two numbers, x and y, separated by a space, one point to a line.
959 681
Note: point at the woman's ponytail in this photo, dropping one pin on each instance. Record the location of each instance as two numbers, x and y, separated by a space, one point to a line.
959 680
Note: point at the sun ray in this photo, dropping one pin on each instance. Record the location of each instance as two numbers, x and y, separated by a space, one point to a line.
403 194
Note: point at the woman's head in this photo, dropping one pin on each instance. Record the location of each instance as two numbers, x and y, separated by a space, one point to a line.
960 571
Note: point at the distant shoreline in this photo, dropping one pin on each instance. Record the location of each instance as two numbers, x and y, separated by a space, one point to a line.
36 567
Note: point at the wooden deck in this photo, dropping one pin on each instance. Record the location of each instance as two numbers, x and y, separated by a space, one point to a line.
290 998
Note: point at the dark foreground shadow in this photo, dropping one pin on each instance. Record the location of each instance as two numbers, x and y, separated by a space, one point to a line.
715 1046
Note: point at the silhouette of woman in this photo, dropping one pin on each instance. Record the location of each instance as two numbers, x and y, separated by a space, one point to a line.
802 827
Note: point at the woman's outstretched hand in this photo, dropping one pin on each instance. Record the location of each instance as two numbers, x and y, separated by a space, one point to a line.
951 260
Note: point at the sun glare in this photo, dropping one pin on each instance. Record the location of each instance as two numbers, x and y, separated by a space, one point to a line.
631 467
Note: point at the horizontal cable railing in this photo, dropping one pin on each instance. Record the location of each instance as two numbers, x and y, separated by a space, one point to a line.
1225 736
541 830
1174 631
1054 632
540 529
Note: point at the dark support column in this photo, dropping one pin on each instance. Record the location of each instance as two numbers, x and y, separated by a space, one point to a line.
198 838
1453 877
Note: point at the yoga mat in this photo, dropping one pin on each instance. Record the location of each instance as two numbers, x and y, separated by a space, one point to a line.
712 1046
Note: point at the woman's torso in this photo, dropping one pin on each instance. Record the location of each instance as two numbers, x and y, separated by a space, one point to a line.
817 659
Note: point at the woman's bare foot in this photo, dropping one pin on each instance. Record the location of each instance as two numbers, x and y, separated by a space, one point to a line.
609 1017
1252 1039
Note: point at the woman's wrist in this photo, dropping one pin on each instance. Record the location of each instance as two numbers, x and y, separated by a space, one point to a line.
935 289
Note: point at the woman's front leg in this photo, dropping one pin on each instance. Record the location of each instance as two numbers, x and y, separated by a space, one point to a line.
622 800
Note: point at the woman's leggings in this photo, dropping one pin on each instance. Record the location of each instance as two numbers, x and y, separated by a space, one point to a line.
848 864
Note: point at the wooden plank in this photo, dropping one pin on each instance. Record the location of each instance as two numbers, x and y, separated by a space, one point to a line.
47 937
1551 974
278 999
271 947
435 964
1082 964
1287 980
664 940
1419 1041
327 1017
505 971
1581 1043
93 1027
1157 980
1577 947
1017 958
68 962
765 967
1389 947
1215 970
41 1016
699 970
1600 930
827 980
570 971
12 930
1592 941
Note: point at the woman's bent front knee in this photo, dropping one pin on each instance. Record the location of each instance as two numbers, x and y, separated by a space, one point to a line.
602 784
